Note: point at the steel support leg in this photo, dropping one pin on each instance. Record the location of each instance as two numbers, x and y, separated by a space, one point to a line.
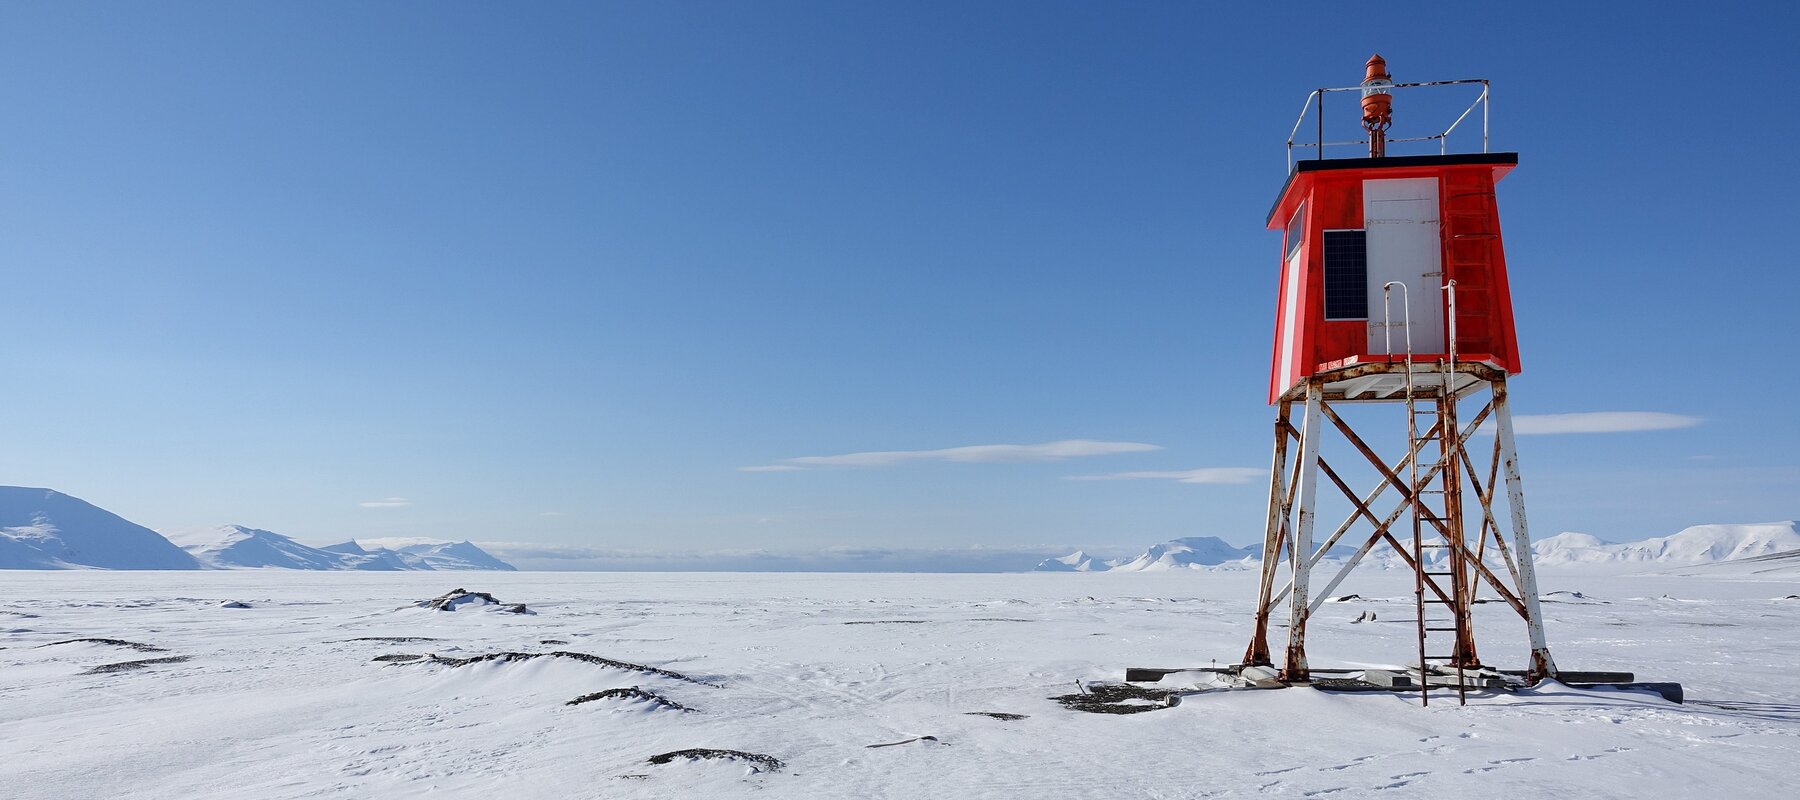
1300 558
1258 652
1541 664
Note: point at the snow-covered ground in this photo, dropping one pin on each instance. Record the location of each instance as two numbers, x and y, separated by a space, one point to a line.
284 699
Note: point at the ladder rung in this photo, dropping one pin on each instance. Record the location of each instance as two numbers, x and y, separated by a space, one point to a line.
1451 628
1440 574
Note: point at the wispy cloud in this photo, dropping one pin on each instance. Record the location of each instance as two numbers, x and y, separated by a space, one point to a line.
971 454
1599 422
1206 475
386 502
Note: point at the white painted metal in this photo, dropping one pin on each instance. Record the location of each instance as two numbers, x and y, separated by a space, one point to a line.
1404 246
1541 664
1290 319
1306 497
1278 506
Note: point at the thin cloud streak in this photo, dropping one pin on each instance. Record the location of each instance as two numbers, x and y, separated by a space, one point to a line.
386 502
972 454
1203 475
1600 422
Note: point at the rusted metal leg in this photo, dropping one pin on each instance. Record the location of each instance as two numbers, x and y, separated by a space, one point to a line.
1273 529
1300 561
1542 666
1462 561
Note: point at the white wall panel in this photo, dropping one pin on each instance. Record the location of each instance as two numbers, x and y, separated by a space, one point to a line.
1401 216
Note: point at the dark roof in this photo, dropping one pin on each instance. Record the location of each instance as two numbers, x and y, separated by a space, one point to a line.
1392 162
1458 159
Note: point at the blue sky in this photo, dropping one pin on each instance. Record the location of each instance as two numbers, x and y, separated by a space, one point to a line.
557 273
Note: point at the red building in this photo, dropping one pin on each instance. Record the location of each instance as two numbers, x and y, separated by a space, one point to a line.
1353 226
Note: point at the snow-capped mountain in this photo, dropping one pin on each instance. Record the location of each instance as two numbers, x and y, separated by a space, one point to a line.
46 529
1776 543
377 560
1699 544
239 547
235 547
1190 553
1077 561
448 555
1195 552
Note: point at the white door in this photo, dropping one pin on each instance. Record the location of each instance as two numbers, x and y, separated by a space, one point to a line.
1404 245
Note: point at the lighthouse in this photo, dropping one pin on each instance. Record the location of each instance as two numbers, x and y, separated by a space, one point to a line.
1393 296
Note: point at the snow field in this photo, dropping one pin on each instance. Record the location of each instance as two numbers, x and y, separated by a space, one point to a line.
284 700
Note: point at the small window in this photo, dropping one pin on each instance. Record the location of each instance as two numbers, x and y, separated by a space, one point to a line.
1346 275
1295 228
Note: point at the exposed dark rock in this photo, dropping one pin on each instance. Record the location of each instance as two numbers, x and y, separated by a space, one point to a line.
932 739
392 639
129 665
138 646
456 598
999 715
234 604
1119 698
453 661
630 693
758 761
887 622
1365 616
1346 598
398 658
553 641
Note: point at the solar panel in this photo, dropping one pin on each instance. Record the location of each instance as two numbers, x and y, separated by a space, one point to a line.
1346 275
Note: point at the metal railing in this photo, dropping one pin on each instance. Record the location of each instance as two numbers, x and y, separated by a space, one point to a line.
1319 144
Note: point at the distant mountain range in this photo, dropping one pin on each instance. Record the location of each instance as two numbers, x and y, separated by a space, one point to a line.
46 529
1699 544
1194 552
1773 543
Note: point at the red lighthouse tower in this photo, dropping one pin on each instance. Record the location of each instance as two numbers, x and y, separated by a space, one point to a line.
1394 291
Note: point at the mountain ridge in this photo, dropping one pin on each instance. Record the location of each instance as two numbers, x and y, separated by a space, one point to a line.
1693 545
47 529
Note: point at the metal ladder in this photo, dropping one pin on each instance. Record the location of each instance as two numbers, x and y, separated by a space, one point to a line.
1443 431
